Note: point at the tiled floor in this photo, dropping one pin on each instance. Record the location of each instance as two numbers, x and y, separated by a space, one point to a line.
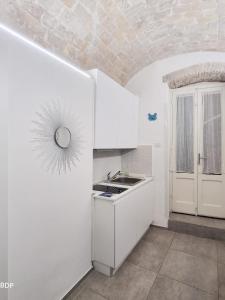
164 266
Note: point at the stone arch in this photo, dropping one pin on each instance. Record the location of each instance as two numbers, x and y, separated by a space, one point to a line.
206 72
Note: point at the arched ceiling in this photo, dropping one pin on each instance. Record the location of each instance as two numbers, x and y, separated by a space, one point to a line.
119 37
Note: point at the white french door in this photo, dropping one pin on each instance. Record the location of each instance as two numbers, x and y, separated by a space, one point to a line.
198 150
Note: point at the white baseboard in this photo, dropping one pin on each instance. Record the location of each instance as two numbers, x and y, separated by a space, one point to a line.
77 283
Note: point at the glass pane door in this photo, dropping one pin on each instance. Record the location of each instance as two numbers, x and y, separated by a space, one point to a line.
212 134
198 148
185 134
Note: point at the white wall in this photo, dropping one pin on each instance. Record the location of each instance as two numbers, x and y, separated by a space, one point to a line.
49 216
154 97
3 177
105 162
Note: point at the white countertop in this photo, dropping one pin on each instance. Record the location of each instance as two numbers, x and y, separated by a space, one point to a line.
115 197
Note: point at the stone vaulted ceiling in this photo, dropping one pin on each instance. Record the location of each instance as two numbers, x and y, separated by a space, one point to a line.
119 37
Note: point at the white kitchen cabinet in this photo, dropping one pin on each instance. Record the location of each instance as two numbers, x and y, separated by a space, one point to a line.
116 114
119 225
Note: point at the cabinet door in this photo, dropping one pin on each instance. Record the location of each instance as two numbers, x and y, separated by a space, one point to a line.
116 115
128 121
133 216
103 233
106 112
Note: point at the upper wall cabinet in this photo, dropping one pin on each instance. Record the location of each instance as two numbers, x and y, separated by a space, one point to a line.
116 114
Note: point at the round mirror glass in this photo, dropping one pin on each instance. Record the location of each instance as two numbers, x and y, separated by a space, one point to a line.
62 137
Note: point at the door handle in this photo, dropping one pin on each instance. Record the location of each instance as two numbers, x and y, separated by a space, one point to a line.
200 157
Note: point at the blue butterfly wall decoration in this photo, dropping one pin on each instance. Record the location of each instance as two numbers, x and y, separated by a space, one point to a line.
152 117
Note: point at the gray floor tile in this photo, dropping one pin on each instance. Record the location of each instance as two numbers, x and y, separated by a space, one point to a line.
195 245
148 255
130 282
76 291
188 271
221 274
87 294
221 252
160 236
199 272
219 223
99 283
169 289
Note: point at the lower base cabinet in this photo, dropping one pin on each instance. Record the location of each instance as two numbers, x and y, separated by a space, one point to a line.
119 225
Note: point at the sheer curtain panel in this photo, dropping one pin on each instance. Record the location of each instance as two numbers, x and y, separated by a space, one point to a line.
212 133
185 134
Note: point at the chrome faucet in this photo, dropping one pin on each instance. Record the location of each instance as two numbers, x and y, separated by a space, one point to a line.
114 176
108 176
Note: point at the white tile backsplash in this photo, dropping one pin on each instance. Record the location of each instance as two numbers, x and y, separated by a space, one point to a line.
105 161
138 160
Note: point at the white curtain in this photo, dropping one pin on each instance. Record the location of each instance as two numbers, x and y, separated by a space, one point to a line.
212 133
185 135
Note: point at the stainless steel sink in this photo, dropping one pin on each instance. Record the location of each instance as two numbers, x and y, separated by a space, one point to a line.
108 189
126 180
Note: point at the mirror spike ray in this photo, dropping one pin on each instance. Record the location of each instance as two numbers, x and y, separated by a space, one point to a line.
56 137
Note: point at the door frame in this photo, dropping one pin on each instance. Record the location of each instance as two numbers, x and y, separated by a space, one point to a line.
194 88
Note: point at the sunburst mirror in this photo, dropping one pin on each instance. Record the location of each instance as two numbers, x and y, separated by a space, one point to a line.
56 137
